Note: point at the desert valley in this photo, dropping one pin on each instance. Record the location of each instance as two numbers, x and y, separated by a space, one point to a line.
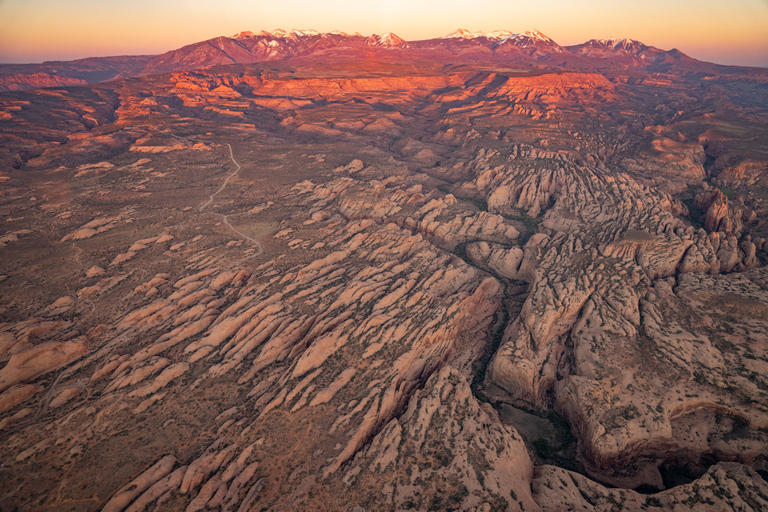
320 271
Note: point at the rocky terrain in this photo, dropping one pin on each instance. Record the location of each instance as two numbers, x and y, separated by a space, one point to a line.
343 283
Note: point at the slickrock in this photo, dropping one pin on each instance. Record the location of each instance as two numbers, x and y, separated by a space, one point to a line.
735 172
327 394
318 352
726 486
94 271
131 375
122 258
167 375
60 306
678 161
256 325
719 216
124 496
444 455
35 361
12 397
94 227
570 346
496 258
159 489
202 467
65 396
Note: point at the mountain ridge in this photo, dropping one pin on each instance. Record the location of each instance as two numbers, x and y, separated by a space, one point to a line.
246 47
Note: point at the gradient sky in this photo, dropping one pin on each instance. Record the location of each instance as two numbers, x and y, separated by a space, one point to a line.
727 32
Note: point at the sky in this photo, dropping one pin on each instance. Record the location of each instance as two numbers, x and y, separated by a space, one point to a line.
726 32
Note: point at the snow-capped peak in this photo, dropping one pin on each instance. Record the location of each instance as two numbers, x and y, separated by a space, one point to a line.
389 40
609 41
535 34
528 35
293 33
501 35
304 33
497 34
494 35
279 33
463 34
620 44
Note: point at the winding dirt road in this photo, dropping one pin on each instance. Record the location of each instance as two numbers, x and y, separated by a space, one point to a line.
224 218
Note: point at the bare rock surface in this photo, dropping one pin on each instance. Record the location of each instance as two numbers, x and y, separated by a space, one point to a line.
444 432
334 284
726 486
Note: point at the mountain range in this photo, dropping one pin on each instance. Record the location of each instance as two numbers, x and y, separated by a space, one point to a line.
497 47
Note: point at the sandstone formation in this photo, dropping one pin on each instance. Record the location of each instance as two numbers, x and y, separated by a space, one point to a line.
726 486
346 283
443 433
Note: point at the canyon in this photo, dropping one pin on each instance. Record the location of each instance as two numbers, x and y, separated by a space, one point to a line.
484 272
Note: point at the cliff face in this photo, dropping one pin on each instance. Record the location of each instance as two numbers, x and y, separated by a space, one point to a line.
36 80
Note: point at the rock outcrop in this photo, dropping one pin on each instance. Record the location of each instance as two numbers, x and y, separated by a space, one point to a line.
443 440
323 283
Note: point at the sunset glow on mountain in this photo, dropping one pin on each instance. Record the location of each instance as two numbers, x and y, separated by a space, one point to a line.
727 33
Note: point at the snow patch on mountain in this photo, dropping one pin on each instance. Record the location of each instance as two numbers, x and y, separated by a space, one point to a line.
524 39
528 37
626 44
495 35
388 40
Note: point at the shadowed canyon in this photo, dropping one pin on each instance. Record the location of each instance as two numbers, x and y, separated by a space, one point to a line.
303 271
